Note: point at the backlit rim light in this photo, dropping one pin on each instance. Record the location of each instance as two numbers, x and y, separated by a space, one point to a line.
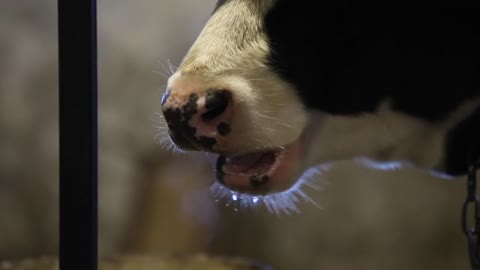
399 165
285 202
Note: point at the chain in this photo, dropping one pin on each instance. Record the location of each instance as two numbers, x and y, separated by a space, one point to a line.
472 231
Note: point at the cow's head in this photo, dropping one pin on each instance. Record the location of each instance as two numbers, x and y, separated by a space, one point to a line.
258 89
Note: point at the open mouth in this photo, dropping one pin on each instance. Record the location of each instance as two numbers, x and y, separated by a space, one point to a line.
260 171
274 178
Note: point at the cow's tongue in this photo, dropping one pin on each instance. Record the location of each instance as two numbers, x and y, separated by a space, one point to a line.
251 163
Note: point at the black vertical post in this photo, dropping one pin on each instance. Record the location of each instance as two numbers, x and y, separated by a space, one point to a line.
77 33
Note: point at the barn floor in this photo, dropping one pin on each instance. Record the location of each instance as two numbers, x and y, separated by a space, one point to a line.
144 262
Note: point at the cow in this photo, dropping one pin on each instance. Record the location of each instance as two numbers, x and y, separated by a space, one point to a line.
278 90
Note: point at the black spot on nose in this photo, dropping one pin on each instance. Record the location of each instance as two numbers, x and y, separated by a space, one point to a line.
223 129
216 102
181 141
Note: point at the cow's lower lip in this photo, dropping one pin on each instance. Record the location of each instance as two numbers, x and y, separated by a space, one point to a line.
261 171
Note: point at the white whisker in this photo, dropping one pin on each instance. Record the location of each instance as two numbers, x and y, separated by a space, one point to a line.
171 66
161 73
274 119
166 70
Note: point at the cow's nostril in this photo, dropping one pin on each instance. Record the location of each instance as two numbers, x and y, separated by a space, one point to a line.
215 103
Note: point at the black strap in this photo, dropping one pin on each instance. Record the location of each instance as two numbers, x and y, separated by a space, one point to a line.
472 231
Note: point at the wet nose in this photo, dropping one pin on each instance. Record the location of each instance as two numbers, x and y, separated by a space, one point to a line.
197 120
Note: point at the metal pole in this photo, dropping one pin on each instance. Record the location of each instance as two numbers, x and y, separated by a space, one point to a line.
77 33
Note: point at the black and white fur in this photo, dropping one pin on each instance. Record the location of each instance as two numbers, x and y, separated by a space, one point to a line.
375 84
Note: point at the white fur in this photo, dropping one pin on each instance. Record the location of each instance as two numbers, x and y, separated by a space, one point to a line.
267 111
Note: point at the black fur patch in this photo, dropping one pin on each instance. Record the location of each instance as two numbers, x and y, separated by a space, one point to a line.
463 144
346 61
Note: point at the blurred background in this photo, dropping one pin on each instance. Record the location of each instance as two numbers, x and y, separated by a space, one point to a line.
153 201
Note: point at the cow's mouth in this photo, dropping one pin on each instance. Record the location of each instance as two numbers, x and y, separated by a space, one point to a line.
259 172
